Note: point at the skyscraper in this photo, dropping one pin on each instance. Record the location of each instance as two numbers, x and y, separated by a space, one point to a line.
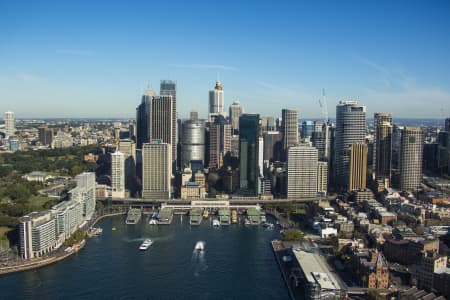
169 88
289 128
219 141
447 125
350 129
411 154
358 167
272 145
128 149
10 129
383 149
85 193
322 177
216 100
156 170
45 135
192 141
118 174
302 172
235 112
143 119
248 153
161 122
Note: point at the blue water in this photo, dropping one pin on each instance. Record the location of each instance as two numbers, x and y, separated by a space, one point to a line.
238 263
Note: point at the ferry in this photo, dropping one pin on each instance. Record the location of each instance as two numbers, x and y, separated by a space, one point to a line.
205 214
216 223
234 217
144 246
199 246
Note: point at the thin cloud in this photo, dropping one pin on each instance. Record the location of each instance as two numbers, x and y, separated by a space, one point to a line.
73 52
204 66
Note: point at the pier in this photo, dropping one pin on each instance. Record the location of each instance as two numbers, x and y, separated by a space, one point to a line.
165 216
254 216
224 216
195 216
134 216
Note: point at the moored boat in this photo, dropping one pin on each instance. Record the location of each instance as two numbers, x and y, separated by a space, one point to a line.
144 246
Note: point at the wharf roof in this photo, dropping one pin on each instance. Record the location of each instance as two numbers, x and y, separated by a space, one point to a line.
315 270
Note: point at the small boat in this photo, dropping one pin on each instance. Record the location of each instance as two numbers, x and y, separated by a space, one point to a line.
114 229
144 246
287 258
153 222
205 214
216 223
199 246
268 225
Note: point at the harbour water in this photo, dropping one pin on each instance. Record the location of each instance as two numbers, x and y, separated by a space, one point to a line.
237 263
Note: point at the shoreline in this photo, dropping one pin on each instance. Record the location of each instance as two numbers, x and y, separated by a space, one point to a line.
52 259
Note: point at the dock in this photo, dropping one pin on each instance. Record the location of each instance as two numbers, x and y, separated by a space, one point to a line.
165 216
195 216
134 216
224 216
254 216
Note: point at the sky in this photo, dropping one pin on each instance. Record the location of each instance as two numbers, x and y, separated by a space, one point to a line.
96 58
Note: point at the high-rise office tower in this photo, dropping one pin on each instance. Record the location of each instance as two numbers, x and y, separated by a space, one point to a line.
307 129
322 141
383 149
169 88
350 129
447 125
143 118
216 99
128 148
10 129
322 178
156 170
161 122
289 128
45 135
118 174
192 141
235 112
267 124
411 154
273 144
219 141
358 167
302 172
248 153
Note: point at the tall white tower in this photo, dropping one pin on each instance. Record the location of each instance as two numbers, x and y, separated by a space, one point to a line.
118 174
9 124
216 100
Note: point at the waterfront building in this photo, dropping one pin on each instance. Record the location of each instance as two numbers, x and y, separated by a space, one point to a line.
10 128
169 88
302 172
289 128
68 215
322 178
37 232
156 170
45 135
273 145
143 118
219 141
85 193
382 162
317 281
234 114
411 154
193 191
350 129
216 100
248 153
358 167
192 141
118 174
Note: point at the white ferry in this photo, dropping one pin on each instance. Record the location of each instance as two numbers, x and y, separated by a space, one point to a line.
144 246
216 223
199 246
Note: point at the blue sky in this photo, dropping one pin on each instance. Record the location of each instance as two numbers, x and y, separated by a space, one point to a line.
95 58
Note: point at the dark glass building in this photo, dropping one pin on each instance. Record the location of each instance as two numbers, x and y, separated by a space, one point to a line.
248 149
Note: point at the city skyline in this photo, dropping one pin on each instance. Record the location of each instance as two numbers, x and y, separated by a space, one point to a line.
56 66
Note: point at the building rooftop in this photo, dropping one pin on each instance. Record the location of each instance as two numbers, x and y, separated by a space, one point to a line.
315 270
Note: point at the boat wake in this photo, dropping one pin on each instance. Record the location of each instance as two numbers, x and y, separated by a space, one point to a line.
198 259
